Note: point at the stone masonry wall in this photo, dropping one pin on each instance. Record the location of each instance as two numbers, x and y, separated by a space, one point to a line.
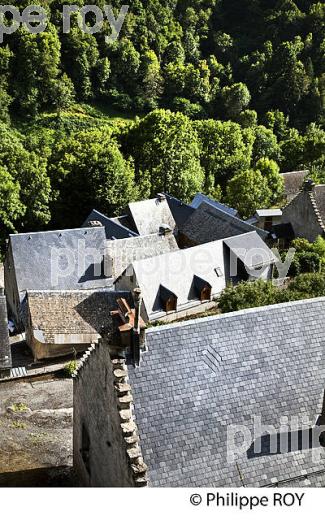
300 212
102 406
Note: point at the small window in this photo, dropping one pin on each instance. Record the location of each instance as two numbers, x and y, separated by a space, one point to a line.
218 272
168 299
85 448
170 304
205 294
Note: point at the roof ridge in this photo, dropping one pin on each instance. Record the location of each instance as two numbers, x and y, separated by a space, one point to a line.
316 210
293 198
228 315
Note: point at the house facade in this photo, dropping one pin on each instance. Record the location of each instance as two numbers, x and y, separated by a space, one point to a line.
187 281
71 259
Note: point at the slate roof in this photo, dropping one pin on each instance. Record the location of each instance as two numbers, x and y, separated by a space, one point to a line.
293 182
209 223
251 250
180 210
113 229
5 351
200 377
55 315
200 197
40 258
149 215
175 272
125 251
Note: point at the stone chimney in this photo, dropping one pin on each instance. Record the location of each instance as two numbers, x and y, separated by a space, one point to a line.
131 326
165 230
308 185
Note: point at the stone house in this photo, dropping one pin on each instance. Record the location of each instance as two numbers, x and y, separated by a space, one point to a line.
306 212
60 323
168 421
187 281
53 260
5 351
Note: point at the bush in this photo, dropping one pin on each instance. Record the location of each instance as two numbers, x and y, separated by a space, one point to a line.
309 262
246 295
257 294
70 368
309 285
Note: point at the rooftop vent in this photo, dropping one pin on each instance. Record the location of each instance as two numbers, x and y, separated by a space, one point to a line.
95 223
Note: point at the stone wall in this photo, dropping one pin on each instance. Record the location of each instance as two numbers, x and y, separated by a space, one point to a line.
103 414
5 352
12 294
301 213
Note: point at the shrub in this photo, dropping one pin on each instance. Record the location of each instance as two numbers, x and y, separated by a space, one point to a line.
302 245
310 285
309 262
70 368
246 295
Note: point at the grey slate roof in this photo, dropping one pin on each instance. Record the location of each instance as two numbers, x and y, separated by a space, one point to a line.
55 315
5 351
251 250
209 223
113 229
149 215
200 197
200 377
180 210
125 251
36 267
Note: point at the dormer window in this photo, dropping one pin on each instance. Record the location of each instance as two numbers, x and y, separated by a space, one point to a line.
202 288
168 299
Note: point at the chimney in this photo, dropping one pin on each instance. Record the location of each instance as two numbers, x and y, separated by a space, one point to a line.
95 223
308 185
161 197
165 230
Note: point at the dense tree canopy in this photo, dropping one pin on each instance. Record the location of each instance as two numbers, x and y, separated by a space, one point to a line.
228 93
